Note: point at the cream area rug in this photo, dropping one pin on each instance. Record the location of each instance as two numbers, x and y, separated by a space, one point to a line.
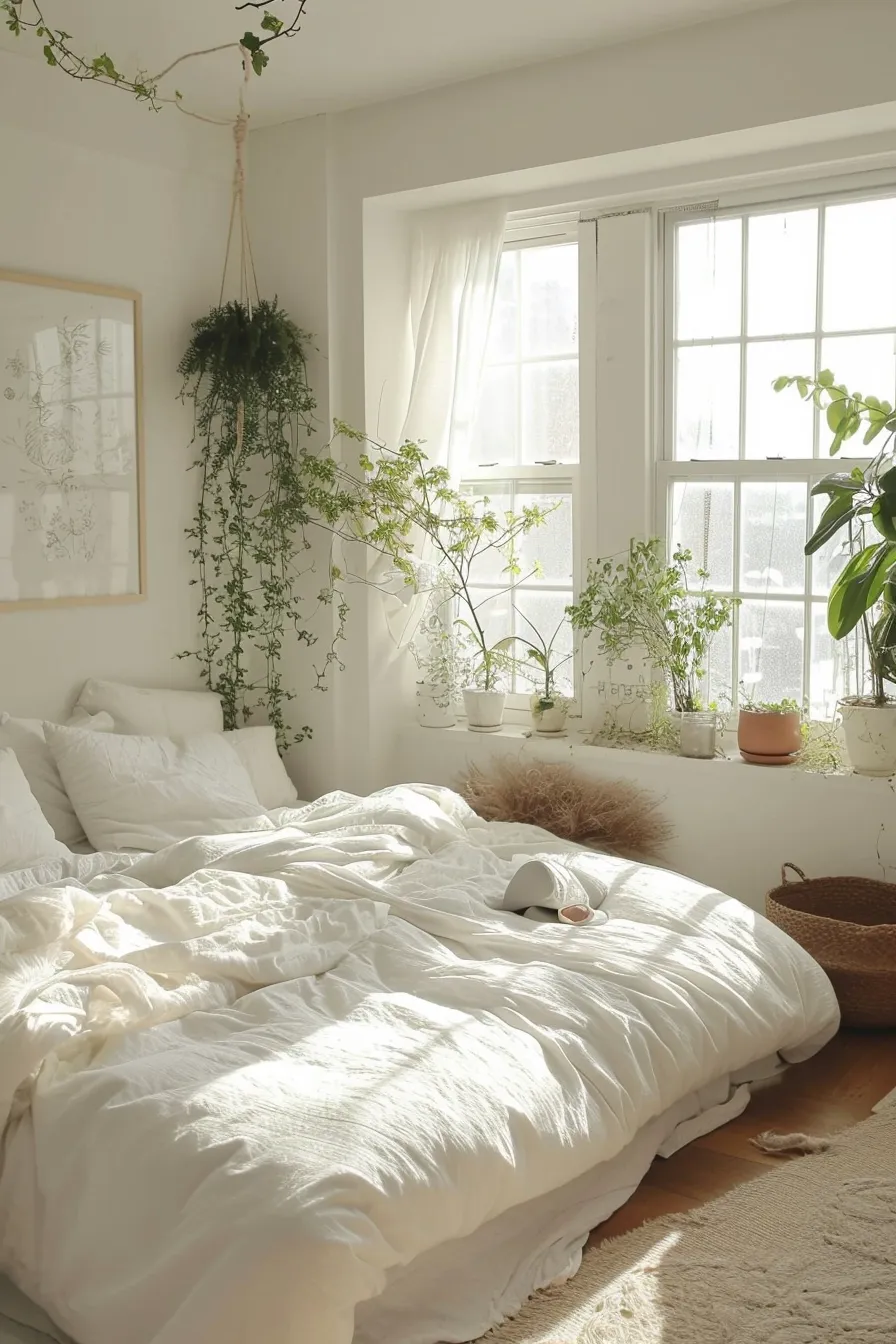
803 1255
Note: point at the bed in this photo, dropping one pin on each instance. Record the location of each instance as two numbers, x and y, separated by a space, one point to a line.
308 1081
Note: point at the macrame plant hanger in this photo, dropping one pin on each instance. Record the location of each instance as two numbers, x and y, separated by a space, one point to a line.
248 279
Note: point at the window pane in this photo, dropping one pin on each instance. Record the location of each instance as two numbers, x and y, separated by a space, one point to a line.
865 364
551 411
703 523
707 401
546 612
550 545
505 317
715 688
771 650
495 430
708 279
860 266
778 423
830 559
550 300
782 273
494 612
833 673
773 537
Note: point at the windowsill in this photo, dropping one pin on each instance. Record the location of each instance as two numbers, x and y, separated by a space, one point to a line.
573 745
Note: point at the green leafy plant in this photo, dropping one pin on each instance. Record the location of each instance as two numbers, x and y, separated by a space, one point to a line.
262 491
406 501
862 504
441 657
785 706
544 665
28 17
642 601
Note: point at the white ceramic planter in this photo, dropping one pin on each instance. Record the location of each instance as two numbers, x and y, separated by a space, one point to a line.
870 735
550 722
485 710
435 708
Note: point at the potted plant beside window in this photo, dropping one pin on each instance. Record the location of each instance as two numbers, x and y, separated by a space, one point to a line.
549 708
408 501
861 505
643 602
770 733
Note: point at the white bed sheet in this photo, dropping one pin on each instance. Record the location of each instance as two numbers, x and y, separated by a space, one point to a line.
312 1056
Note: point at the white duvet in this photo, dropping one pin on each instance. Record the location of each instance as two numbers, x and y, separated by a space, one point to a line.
246 1076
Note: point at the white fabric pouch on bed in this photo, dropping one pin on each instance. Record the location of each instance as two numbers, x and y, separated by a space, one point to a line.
154 713
26 836
137 792
28 739
541 888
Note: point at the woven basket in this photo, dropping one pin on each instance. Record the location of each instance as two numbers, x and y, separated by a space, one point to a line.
848 924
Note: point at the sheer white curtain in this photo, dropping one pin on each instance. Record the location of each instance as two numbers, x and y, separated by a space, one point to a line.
455 256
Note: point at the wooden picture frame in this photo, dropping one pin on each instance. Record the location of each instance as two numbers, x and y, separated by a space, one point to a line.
72 470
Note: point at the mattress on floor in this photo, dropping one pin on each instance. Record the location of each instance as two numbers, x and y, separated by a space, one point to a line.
507 1259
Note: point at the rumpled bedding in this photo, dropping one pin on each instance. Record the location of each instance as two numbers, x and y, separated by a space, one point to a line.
244 1077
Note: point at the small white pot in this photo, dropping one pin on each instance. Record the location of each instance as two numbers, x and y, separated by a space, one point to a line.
870 734
550 722
435 707
485 710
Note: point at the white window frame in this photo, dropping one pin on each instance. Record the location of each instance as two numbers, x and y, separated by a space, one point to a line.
529 232
670 470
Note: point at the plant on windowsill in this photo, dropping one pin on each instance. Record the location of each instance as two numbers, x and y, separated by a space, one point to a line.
405 496
769 733
548 707
862 504
442 662
642 602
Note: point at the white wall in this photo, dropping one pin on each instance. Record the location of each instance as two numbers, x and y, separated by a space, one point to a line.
96 189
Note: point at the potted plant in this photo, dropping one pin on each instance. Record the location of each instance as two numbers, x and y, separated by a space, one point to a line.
548 707
404 497
642 601
770 733
441 662
862 505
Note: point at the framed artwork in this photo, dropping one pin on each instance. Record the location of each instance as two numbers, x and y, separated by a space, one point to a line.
72 528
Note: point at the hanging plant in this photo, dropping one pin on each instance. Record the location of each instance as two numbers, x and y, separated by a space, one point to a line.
262 490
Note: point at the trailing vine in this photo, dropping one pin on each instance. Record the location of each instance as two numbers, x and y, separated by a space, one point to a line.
27 17
262 490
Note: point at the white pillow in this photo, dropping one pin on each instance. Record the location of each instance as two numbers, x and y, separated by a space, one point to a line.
153 713
257 749
26 836
27 739
138 792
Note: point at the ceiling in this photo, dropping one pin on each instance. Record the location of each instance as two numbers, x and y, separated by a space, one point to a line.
352 52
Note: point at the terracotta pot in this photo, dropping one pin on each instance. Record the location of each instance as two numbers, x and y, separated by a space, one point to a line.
760 733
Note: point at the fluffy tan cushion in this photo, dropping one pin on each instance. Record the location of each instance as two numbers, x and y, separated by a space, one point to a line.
606 814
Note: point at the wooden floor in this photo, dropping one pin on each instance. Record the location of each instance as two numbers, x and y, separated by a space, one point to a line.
830 1092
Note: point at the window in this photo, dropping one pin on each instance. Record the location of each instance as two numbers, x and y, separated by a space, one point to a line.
526 440
750 295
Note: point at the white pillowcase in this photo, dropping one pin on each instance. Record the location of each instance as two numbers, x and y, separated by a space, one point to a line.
257 749
153 713
138 792
27 738
26 836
